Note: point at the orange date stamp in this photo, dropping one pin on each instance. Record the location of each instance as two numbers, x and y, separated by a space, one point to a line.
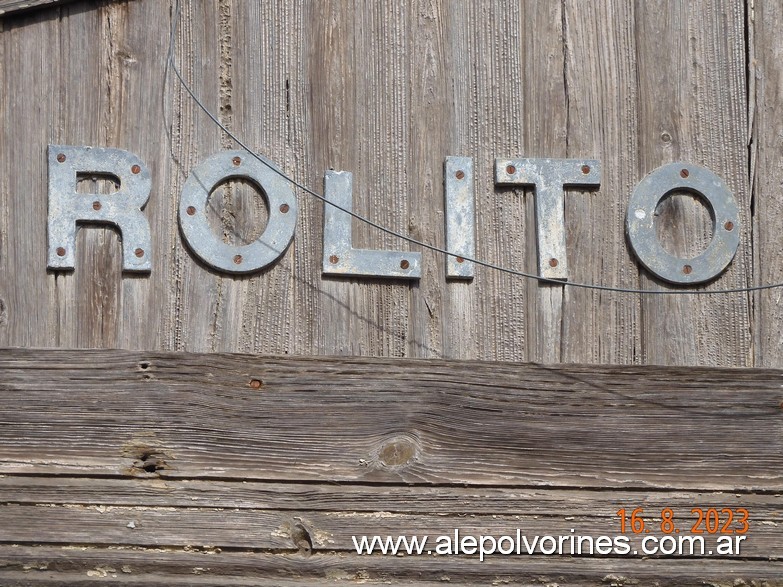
700 521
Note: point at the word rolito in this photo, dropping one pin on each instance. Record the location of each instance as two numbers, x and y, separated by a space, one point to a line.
548 177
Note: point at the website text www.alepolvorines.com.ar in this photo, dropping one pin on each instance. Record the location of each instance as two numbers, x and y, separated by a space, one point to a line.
571 544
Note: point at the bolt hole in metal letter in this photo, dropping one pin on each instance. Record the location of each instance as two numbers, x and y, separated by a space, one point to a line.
548 177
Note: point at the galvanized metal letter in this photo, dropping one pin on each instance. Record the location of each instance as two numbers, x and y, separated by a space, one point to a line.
460 217
340 258
550 177
122 209
280 227
640 223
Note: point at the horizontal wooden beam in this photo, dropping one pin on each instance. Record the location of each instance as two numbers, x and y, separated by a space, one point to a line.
116 413
171 513
186 469
75 567
13 6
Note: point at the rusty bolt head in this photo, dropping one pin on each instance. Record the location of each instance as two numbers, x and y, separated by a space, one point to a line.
255 383
334 259
139 252
135 170
460 174
404 264
236 161
684 173
60 252
96 206
61 158
553 262
729 225
687 269
284 208
460 260
511 170
585 169
238 259
191 210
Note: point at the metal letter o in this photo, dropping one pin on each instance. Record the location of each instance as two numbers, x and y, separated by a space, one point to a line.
640 223
193 213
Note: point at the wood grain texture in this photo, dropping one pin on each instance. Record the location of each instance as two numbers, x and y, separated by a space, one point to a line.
271 516
8 7
765 93
170 468
387 92
85 566
177 469
691 71
354 420
306 531
601 78
154 491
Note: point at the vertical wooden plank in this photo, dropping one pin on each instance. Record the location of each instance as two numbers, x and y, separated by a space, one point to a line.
691 72
460 304
88 299
765 18
136 37
260 56
119 79
31 94
510 101
332 145
429 108
360 68
546 135
193 310
601 78
488 76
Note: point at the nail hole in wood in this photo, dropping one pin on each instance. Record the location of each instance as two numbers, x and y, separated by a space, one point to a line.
301 538
150 462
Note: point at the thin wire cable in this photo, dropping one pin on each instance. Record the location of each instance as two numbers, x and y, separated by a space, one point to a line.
589 286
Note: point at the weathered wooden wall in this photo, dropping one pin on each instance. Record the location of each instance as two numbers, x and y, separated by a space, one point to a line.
387 90
177 469
215 474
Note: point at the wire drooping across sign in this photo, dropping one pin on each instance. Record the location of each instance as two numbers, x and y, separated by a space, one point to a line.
449 254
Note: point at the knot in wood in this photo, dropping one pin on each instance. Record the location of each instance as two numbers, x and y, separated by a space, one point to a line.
398 452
